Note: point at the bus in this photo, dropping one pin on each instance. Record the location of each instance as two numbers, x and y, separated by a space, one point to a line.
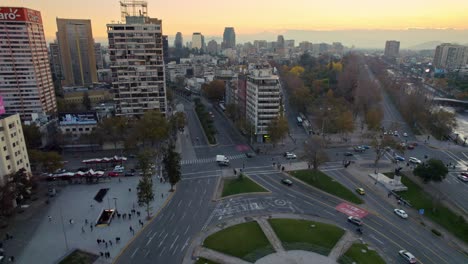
299 121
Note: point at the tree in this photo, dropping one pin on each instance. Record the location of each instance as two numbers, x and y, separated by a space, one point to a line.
214 90
277 129
145 186
314 152
345 122
112 129
431 170
180 120
86 101
45 161
442 123
374 119
171 163
153 127
379 143
7 201
32 136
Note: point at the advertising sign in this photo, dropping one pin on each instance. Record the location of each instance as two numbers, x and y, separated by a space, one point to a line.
20 14
351 210
2 106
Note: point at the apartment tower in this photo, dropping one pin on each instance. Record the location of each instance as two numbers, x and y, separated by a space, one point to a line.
229 38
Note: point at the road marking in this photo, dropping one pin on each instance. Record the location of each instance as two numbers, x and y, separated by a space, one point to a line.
134 252
178 205
201 177
162 240
288 194
172 216
162 251
147 253
149 240
183 216
373 237
185 244
149 233
330 213
190 202
188 227
162 232
177 237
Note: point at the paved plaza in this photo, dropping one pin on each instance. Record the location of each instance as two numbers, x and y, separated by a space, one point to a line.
66 229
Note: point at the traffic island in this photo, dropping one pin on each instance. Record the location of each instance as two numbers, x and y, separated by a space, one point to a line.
204 261
320 180
240 185
79 257
362 254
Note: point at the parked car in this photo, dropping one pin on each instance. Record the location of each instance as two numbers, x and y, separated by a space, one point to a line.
355 220
405 134
395 133
113 174
52 192
401 213
290 155
410 146
287 182
414 160
249 154
365 146
462 177
399 158
129 174
348 154
407 255
359 149
360 191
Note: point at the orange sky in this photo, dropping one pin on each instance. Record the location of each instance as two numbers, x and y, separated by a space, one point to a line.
248 17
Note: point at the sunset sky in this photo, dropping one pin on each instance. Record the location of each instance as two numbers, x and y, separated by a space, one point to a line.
254 16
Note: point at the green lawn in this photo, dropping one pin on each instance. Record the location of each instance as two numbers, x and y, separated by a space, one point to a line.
322 181
205 261
443 216
244 185
390 175
300 235
355 254
79 257
245 241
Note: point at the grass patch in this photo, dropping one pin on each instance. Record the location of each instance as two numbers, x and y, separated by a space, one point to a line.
443 216
300 235
355 254
245 241
390 175
325 183
79 257
206 121
240 185
205 261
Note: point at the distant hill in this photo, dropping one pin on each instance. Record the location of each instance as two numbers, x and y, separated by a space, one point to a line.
430 45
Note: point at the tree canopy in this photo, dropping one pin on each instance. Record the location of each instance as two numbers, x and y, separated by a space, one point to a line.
278 129
314 151
431 170
214 90
171 163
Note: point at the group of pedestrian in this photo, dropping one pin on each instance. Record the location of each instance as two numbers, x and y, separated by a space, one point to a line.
105 254
2 251
104 242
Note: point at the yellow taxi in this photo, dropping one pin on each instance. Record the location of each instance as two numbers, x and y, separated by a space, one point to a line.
360 191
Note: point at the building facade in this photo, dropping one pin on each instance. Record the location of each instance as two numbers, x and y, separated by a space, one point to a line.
75 39
137 64
13 152
229 38
179 40
198 41
212 47
75 125
55 61
25 77
263 98
450 56
392 49
98 56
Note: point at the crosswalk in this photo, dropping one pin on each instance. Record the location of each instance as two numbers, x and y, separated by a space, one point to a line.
209 160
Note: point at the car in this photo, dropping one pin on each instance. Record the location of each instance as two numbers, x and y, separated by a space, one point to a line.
290 155
348 154
462 177
414 160
395 133
399 158
403 144
249 154
410 146
129 174
359 149
360 191
365 146
113 174
120 170
51 192
355 220
405 134
407 255
401 213
387 148
288 182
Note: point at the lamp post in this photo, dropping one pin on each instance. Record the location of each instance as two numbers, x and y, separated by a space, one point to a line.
63 229
115 202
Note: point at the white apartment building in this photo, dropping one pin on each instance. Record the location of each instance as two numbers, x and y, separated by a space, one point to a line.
13 152
136 55
198 41
450 56
25 77
263 98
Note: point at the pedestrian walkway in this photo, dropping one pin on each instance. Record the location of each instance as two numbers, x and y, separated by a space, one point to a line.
342 246
70 221
218 257
270 234
211 159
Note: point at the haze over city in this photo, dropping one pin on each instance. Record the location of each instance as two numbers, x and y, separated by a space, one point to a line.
364 23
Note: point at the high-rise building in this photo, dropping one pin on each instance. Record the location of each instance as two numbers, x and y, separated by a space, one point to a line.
450 56
263 98
98 56
76 42
212 47
197 41
13 153
229 38
280 42
179 40
55 61
137 64
392 49
25 77
165 43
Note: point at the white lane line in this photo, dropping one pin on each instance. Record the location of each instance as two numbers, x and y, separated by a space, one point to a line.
185 244
186 230
172 216
162 240
291 195
134 252
178 205
162 232
201 201
183 216
190 202
201 177
177 237
329 213
147 253
174 251
149 240
162 251
149 233
381 242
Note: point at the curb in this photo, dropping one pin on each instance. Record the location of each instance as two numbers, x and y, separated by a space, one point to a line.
144 227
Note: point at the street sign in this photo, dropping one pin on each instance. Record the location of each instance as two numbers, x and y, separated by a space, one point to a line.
351 210
421 211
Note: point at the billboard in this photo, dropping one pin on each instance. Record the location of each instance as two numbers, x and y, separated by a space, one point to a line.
2 106
20 14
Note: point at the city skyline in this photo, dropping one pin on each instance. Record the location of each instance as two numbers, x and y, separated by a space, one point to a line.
303 15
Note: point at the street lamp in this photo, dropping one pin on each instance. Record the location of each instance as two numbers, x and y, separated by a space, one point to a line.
115 203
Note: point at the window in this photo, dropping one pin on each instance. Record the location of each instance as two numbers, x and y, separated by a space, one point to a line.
7 157
4 148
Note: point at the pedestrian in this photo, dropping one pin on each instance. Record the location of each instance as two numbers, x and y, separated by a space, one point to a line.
124 216
129 189
50 218
162 195
117 240
12 259
110 242
91 227
98 241
105 243
82 229
129 216
138 213
86 221
108 254
101 253
120 180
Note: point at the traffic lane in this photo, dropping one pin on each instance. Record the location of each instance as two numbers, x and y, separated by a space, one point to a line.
193 124
160 240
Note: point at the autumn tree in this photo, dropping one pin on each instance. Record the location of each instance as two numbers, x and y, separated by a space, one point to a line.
345 122
171 162
379 144
374 119
7 199
145 186
278 129
214 90
314 152
86 101
152 127
45 161
112 129
442 123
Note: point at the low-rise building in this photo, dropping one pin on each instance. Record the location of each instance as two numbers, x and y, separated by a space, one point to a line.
96 96
75 125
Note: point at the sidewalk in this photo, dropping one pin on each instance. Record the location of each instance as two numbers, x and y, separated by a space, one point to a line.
438 144
54 237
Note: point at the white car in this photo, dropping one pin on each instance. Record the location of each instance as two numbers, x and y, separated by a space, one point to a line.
407 255
290 155
405 134
414 160
119 168
401 213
